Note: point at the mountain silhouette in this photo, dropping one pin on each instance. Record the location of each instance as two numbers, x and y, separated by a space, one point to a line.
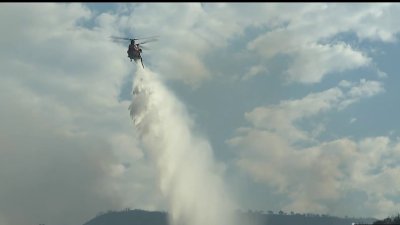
142 217
130 217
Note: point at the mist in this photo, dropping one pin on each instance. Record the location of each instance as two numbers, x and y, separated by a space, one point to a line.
189 178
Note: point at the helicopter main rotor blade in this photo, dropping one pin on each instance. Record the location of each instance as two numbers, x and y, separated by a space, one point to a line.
118 41
130 39
151 40
144 47
153 37
120 38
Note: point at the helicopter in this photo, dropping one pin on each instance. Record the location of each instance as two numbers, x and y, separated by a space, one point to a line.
135 49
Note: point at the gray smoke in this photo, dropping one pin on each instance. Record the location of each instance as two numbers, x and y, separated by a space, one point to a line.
189 178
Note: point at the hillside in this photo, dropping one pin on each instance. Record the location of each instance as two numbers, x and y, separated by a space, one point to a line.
130 217
141 217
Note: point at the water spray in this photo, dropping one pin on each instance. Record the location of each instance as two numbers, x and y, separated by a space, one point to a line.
189 178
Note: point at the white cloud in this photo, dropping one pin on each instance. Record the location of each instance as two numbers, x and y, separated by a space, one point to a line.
345 83
313 62
316 178
307 29
366 88
282 118
189 32
65 135
382 74
254 71
184 40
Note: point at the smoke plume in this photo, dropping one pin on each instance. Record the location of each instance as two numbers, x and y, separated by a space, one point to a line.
189 178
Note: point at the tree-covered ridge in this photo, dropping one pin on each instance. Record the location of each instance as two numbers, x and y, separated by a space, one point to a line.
129 217
390 220
142 217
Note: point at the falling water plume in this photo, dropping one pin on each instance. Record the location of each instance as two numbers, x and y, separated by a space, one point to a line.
190 179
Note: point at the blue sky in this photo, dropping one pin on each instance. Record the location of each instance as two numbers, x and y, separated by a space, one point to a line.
299 102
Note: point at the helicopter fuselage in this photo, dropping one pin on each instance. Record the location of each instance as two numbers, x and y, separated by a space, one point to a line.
134 52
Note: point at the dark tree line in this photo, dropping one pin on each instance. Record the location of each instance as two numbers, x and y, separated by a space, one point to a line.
141 217
390 220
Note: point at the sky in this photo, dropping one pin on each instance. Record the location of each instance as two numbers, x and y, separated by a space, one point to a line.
299 102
